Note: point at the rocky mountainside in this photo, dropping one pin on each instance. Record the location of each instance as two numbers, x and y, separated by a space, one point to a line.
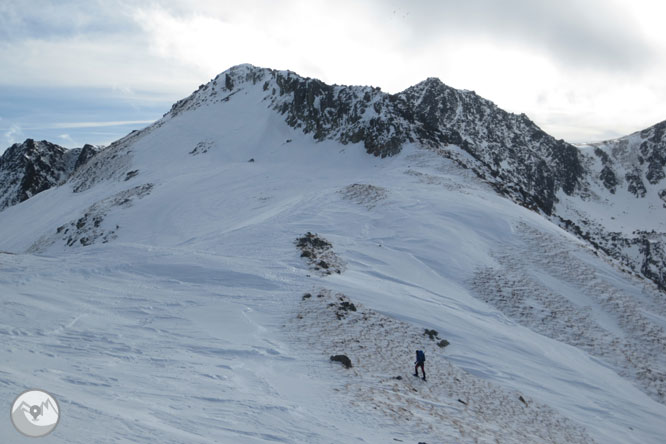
635 162
509 151
585 190
624 213
31 167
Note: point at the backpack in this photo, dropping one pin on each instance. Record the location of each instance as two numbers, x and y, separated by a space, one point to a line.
420 356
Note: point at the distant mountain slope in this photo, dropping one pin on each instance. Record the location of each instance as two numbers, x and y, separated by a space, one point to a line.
635 162
31 167
509 150
586 190
624 211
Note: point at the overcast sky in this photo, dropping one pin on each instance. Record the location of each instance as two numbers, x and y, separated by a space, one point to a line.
89 71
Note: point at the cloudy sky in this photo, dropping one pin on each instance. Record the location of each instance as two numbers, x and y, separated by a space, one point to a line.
89 71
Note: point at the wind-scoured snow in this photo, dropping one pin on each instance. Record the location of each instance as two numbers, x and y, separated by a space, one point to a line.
180 317
453 405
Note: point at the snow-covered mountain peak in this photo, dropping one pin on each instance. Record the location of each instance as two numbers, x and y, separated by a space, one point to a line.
33 166
507 150
510 150
347 114
32 149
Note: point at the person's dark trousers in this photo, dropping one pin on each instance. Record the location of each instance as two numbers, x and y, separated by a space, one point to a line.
416 369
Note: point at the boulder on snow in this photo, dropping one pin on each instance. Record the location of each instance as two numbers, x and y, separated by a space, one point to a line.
343 359
432 334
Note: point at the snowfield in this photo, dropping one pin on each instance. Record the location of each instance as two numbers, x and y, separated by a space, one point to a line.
163 301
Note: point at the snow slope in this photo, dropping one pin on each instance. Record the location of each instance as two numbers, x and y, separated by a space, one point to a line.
163 301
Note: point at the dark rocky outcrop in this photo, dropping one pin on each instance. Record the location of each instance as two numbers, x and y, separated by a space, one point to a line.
608 178
650 245
342 359
87 152
653 150
635 184
319 253
31 167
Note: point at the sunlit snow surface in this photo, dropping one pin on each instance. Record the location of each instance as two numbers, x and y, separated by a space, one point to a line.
188 324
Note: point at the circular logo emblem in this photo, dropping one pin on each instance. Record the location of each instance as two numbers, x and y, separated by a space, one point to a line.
35 413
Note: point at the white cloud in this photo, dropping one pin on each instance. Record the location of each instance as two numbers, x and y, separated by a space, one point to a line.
74 125
325 42
83 62
579 69
97 124
595 55
67 139
14 134
591 33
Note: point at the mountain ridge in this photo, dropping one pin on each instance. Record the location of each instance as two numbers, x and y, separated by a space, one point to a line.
508 151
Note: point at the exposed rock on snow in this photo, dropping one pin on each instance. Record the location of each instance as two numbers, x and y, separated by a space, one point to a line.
506 149
90 228
87 153
319 253
112 163
202 147
452 406
342 359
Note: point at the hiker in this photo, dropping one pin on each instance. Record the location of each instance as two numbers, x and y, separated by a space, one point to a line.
420 360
